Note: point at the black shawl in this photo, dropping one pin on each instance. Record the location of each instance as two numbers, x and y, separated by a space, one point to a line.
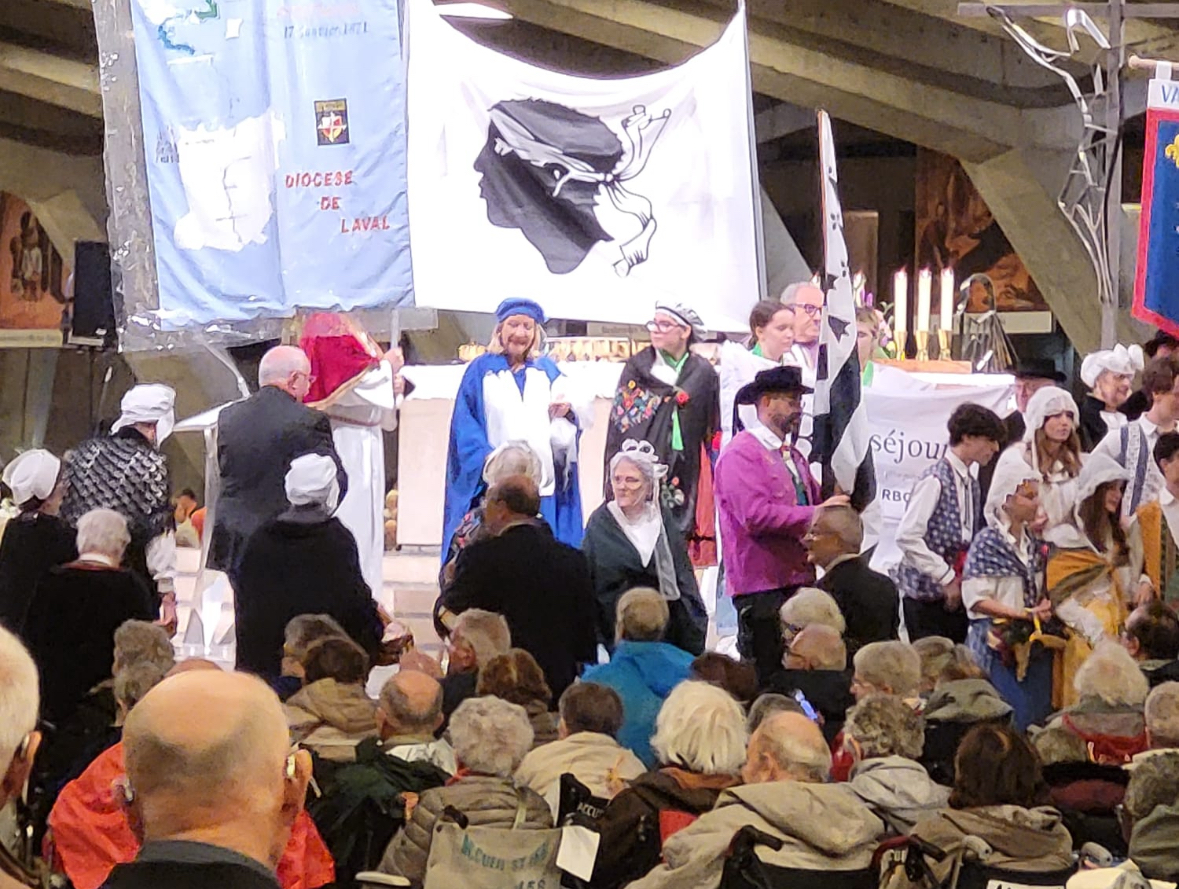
643 409
615 568
123 472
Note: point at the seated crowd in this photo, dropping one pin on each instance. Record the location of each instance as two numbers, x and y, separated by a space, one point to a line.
575 692
667 757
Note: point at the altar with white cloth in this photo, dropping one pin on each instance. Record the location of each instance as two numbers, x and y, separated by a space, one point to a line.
907 412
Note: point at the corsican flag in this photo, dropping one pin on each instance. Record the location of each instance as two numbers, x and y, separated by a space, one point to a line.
594 196
840 442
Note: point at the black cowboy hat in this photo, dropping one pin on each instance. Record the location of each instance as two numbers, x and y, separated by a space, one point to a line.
1040 369
776 379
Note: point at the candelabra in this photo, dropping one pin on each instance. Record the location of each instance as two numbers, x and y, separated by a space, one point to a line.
922 337
943 344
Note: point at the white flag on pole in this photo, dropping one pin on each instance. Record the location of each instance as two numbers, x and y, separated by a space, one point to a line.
840 440
595 197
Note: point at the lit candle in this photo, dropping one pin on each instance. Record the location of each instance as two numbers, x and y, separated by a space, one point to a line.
900 300
947 291
924 288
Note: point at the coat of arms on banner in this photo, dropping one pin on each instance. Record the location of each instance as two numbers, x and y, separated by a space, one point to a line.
331 122
557 174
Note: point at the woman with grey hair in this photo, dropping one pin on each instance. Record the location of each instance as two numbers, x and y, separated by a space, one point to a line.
885 736
490 738
809 605
632 541
76 609
1108 715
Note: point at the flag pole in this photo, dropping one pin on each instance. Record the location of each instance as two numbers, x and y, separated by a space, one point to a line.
759 237
828 482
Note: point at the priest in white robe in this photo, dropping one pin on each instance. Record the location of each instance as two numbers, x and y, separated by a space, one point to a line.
356 385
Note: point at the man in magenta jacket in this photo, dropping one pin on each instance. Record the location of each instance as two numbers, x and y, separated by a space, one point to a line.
766 496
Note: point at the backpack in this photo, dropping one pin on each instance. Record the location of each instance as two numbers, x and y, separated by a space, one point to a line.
360 806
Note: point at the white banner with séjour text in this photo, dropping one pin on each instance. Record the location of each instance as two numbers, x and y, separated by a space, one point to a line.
907 415
593 196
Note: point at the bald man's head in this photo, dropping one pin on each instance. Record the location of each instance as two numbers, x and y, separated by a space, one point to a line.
206 756
817 647
787 747
193 665
287 368
411 704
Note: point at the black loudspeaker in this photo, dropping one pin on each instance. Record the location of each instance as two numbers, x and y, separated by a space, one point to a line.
94 307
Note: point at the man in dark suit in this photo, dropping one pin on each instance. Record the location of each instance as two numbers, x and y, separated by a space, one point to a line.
866 598
256 441
541 586
215 793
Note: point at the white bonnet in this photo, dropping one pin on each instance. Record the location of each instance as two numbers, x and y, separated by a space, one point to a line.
32 475
1122 360
1098 469
313 480
1045 403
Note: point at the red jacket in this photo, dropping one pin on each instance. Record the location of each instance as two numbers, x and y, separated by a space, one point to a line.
89 832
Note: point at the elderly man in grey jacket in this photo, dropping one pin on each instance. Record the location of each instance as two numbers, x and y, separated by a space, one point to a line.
821 826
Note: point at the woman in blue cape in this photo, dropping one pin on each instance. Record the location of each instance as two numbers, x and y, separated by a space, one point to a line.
514 394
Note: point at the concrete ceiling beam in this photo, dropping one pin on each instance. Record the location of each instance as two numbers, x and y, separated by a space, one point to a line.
1049 31
73 4
910 37
40 176
54 27
932 115
48 78
782 120
1028 214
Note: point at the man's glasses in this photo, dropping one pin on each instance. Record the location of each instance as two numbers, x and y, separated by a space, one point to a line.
813 311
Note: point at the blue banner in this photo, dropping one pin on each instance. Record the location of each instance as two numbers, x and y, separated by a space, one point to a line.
1156 281
274 135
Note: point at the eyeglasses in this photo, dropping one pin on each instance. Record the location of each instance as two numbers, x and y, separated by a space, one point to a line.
809 309
663 326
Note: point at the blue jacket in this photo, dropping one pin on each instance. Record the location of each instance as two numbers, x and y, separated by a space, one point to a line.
643 674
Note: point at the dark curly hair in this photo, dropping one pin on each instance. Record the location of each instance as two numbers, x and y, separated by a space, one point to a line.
974 419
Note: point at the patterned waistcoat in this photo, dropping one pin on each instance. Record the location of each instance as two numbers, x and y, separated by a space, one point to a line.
943 535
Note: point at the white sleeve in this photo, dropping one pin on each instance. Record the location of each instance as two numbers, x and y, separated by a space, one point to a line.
1081 620
161 561
1058 500
914 523
371 401
1006 591
578 394
735 371
1110 444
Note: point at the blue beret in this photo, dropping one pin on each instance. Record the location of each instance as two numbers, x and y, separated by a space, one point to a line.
519 306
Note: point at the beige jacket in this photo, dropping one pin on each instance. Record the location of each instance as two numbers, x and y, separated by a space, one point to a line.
822 826
1020 839
331 719
597 761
